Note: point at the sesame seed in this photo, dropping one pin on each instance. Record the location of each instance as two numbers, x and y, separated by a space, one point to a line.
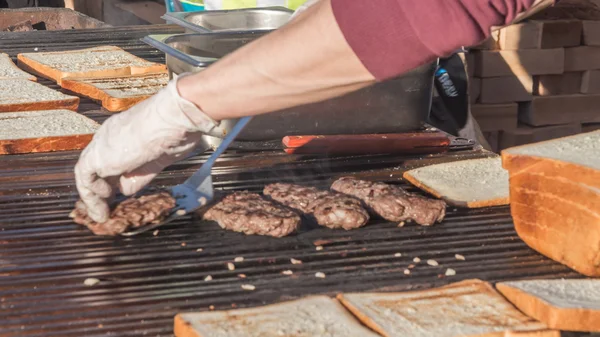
450 272
155 233
248 287
432 263
183 244
287 272
319 247
181 212
459 257
208 278
416 260
230 266
199 250
401 224
320 275
406 271
294 261
238 259
242 275
90 282
398 255
411 266
211 307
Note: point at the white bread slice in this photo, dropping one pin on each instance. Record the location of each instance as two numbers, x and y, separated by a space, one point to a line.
9 70
311 316
555 198
571 305
44 131
465 309
469 183
118 93
91 62
25 95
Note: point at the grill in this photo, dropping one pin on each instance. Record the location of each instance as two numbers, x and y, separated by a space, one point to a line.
146 280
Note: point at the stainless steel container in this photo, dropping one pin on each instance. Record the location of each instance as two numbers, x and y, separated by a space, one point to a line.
397 105
266 18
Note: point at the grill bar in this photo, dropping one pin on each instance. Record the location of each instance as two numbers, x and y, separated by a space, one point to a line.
146 280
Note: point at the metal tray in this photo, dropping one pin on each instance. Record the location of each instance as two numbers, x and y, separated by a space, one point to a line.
393 106
48 19
266 18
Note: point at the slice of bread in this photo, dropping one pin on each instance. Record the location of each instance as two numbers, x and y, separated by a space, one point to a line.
311 316
467 308
9 70
469 183
44 131
571 305
25 95
92 62
118 93
555 198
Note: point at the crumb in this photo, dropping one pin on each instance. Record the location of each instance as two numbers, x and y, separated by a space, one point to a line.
450 272
416 260
211 307
90 282
319 247
155 233
287 272
100 326
406 271
242 275
208 278
459 257
233 305
199 250
231 266
398 255
183 244
181 212
294 261
432 263
248 287
238 259
411 266
401 224
320 275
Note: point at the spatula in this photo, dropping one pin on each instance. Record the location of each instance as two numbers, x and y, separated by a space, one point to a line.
196 192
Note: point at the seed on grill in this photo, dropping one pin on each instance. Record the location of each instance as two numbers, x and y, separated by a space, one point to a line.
320 275
416 260
208 278
319 247
406 271
90 282
183 244
181 212
199 250
155 233
211 307
238 259
401 224
230 266
248 287
450 272
459 257
411 266
242 275
287 272
294 261
398 255
432 263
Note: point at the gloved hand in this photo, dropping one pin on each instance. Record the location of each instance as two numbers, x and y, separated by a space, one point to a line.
303 7
131 148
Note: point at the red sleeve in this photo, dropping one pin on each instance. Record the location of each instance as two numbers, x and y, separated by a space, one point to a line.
392 37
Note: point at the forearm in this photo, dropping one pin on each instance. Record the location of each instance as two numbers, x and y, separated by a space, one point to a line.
306 61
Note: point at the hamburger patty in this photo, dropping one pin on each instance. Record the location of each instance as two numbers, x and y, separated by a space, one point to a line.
249 213
329 209
132 212
392 202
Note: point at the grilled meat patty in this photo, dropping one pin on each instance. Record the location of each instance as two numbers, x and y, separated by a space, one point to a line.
392 202
329 209
132 212
249 213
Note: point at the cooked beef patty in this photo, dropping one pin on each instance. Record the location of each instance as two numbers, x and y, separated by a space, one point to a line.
329 209
132 212
392 202
250 213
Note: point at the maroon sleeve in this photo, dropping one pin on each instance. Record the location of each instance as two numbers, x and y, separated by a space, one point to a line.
392 37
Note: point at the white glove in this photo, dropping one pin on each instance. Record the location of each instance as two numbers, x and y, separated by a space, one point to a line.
303 7
131 148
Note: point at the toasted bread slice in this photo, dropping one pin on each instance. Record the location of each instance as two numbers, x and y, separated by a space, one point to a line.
118 93
44 131
311 316
103 61
467 308
572 305
469 183
555 198
25 95
9 70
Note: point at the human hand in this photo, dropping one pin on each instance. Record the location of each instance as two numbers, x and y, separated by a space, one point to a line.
131 148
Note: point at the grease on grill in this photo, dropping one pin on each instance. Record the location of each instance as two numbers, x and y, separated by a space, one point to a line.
135 212
392 202
250 213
